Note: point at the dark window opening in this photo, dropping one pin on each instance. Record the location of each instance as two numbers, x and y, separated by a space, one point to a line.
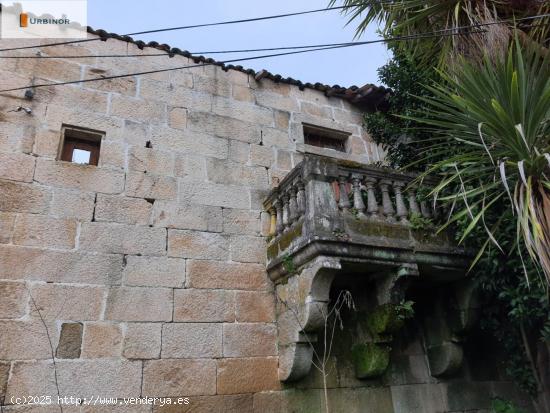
325 138
80 145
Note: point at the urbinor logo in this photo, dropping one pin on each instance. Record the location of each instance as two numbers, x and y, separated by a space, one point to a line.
23 20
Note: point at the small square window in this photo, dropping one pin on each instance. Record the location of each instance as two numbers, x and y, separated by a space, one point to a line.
80 145
325 138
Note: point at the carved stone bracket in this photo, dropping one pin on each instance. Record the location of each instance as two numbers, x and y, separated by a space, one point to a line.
302 308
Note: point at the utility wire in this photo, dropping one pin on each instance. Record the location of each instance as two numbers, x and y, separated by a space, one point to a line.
194 26
400 38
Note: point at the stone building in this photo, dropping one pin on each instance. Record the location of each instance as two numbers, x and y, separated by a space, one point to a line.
138 216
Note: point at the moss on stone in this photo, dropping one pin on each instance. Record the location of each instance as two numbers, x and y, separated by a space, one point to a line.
370 360
290 235
378 229
384 320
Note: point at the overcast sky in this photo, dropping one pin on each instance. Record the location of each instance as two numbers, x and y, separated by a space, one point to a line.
349 66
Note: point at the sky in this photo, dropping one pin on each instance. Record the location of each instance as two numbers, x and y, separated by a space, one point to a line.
346 67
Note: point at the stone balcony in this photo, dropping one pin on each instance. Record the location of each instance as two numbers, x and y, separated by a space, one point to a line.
334 219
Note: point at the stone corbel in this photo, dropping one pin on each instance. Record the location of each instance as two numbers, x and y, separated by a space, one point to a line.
302 308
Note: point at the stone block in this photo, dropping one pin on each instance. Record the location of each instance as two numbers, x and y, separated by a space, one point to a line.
241 221
265 222
154 161
227 275
223 126
316 110
218 86
102 340
17 166
112 154
249 340
46 143
4 376
72 204
16 138
68 302
278 138
212 194
19 197
243 111
184 216
138 110
247 375
154 272
166 93
21 263
188 141
291 400
32 333
177 118
261 155
196 305
282 119
239 151
139 304
248 249
419 398
191 340
44 231
360 400
123 86
74 96
276 101
284 160
57 116
70 341
144 185
251 306
142 341
463 395
51 69
14 299
243 93
7 223
239 403
121 209
122 239
197 244
165 378
190 167
84 177
232 173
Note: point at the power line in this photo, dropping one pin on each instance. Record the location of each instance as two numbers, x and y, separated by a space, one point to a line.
194 26
401 38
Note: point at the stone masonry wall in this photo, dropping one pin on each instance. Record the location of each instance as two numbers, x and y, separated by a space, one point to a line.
145 275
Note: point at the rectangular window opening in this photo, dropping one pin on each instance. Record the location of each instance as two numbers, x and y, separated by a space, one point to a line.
325 138
80 145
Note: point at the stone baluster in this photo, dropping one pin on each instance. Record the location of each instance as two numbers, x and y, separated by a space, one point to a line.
286 211
400 201
344 200
425 209
387 205
279 219
272 221
372 203
358 202
293 206
301 198
413 203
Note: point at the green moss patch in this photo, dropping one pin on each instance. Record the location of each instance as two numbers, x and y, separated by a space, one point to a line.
370 360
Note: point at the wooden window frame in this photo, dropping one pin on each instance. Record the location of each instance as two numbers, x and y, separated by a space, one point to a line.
325 138
73 137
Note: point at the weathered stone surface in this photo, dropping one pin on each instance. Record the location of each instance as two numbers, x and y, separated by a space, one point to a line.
177 118
144 185
286 401
83 177
43 231
419 398
217 85
122 239
58 266
102 340
243 93
191 340
4 375
468 395
154 272
247 375
187 141
139 304
249 340
243 111
225 127
190 167
113 155
13 299
154 161
70 341
248 249
184 216
111 208
261 155
19 197
138 110
16 138
72 204
226 196
276 138
251 306
232 173
163 378
204 305
17 166
142 341
216 274
68 302
239 151
32 333
197 244
7 222
360 400
241 221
